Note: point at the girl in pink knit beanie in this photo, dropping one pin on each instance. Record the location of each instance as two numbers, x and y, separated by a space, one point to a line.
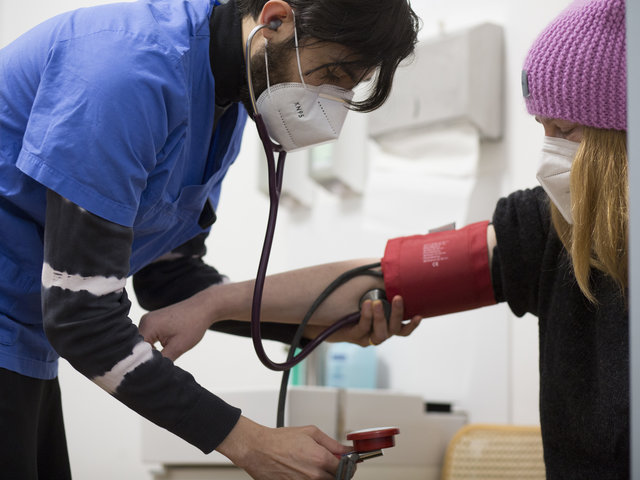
574 82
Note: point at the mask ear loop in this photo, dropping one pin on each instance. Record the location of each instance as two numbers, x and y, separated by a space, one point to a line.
266 59
273 25
266 66
295 42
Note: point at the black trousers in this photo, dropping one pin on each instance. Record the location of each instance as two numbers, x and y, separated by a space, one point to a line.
33 445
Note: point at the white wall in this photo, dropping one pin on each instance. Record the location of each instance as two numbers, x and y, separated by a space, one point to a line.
483 361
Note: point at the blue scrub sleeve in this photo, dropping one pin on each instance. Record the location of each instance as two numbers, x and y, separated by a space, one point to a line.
99 120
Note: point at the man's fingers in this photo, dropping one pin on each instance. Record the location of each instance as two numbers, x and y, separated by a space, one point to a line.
364 326
384 328
397 314
380 328
150 337
408 328
327 442
171 352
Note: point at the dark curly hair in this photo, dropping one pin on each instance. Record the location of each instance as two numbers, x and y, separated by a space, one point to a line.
380 33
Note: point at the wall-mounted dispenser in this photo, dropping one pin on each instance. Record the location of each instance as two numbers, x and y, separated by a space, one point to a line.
455 80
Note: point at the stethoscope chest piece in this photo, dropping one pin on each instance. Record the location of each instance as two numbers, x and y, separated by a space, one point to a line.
373 438
366 444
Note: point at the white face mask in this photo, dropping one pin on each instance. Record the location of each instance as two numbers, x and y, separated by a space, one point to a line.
553 172
298 115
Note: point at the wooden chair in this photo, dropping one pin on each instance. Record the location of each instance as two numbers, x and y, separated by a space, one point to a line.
488 452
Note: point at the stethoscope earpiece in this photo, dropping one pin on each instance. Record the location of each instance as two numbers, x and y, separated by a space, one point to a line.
274 24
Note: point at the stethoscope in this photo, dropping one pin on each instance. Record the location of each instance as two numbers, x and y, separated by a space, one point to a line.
367 443
275 172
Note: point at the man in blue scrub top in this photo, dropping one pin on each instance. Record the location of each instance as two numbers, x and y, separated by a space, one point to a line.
118 124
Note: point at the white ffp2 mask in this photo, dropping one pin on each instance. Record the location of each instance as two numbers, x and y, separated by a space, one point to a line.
299 115
554 171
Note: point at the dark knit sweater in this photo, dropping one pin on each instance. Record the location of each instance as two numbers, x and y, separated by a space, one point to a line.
584 348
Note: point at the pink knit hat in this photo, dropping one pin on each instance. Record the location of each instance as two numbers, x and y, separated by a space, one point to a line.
577 68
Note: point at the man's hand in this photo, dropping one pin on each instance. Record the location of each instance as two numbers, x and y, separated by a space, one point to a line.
178 327
372 328
291 453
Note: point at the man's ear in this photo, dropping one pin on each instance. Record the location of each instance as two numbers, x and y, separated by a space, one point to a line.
277 12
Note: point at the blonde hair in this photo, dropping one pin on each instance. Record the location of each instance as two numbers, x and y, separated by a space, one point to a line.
598 237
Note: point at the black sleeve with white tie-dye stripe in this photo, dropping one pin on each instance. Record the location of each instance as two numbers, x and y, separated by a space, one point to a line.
85 313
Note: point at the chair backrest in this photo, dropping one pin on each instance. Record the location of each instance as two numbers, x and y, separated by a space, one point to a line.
487 452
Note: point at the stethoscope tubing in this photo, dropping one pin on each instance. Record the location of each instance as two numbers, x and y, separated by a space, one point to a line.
276 173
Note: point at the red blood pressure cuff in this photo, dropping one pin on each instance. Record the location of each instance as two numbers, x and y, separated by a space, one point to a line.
439 273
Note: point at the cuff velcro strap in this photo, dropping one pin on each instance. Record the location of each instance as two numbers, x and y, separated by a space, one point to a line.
440 273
